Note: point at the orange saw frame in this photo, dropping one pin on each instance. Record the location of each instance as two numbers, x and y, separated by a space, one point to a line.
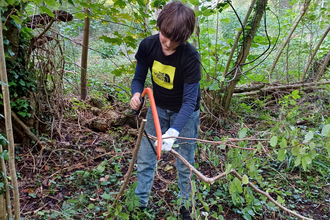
156 119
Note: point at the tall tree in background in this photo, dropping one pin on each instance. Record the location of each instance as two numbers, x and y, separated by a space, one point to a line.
303 11
84 55
244 51
9 127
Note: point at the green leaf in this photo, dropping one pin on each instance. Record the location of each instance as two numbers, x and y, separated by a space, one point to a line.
304 163
242 133
214 86
36 1
205 205
280 200
295 150
86 174
308 159
72 201
222 146
258 39
309 136
208 12
116 40
250 211
43 9
283 143
295 94
245 179
292 102
106 196
123 216
120 3
80 15
228 168
4 155
194 2
52 3
238 185
327 145
273 141
100 168
90 206
16 19
23 114
326 130
198 13
211 31
225 20
281 155
297 161
10 2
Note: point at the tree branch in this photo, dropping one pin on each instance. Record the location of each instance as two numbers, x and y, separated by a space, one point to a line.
233 172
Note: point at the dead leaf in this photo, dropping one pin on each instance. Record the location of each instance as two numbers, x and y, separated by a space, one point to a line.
47 168
25 190
203 156
100 150
89 141
164 189
45 183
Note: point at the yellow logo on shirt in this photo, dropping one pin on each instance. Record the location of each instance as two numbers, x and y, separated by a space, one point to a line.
163 75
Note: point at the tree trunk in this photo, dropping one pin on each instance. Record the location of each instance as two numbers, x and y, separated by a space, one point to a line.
196 32
324 65
7 204
9 128
238 35
3 211
235 45
304 9
314 53
84 56
244 51
316 71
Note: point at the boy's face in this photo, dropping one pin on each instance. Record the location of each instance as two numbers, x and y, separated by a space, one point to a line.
168 46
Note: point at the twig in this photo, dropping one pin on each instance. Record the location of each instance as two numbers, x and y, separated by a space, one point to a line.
46 29
131 166
12 11
26 130
35 211
216 142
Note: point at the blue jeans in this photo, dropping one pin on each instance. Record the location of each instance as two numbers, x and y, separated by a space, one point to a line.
146 160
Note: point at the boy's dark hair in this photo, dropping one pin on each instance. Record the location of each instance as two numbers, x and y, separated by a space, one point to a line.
176 21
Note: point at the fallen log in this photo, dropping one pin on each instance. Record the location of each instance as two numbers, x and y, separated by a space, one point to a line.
282 87
27 131
248 89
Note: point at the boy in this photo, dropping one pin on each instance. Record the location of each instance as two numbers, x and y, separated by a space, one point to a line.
175 73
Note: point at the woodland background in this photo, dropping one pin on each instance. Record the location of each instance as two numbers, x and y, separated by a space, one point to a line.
68 134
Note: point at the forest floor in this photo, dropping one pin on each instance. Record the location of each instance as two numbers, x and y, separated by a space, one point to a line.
80 170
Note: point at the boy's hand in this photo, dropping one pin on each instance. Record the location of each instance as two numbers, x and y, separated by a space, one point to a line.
135 101
167 144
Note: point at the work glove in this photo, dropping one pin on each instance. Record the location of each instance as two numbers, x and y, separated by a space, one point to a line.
167 144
